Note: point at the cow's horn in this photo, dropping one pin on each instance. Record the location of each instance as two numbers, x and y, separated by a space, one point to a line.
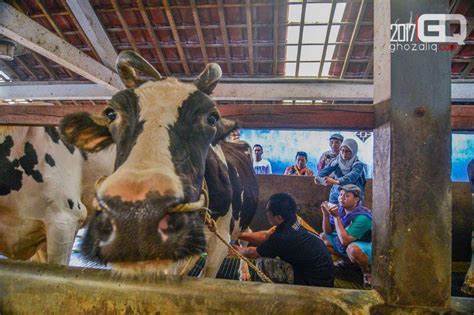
127 62
207 80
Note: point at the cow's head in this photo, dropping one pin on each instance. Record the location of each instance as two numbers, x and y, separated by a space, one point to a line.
163 130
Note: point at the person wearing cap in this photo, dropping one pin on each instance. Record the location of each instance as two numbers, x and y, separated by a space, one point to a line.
347 168
292 242
347 229
327 157
300 168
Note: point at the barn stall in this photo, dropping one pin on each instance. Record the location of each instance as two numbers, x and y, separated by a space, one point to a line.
62 53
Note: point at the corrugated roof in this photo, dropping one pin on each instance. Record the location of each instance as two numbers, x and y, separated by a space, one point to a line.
179 37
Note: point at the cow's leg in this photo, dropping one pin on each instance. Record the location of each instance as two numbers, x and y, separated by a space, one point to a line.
216 249
244 272
216 253
60 238
61 228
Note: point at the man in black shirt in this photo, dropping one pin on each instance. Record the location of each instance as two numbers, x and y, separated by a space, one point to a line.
305 251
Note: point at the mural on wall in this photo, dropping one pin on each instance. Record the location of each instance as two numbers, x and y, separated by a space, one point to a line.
280 147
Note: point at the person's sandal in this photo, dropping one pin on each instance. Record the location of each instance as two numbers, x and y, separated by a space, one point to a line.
367 281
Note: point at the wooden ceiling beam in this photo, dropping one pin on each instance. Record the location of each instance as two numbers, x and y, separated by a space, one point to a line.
347 117
215 27
26 67
56 29
370 65
154 38
86 21
13 72
247 90
248 16
467 69
45 67
252 89
225 38
197 23
124 25
43 64
355 32
50 19
341 117
174 31
20 28
276 8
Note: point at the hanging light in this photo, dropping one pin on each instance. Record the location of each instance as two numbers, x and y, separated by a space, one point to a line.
7 49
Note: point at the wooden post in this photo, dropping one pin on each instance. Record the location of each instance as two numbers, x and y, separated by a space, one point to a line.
412 163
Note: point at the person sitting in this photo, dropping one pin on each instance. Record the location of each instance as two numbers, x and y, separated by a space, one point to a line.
347 229
348 169
260 165
303 250
327 157
300 168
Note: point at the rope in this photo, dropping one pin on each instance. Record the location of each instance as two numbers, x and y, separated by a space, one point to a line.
211 224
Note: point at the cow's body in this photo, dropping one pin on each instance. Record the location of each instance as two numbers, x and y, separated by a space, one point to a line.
40 192
233 198
169 139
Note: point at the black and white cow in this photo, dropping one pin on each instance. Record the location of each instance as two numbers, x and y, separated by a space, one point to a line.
41 182
169 137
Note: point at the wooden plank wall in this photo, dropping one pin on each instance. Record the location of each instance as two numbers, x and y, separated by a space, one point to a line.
256 116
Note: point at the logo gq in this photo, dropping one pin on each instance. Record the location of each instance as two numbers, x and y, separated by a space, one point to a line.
430 32
439 28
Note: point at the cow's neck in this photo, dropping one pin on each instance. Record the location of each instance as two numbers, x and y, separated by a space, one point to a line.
218 182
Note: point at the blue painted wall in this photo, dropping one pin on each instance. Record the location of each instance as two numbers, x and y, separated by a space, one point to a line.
280 147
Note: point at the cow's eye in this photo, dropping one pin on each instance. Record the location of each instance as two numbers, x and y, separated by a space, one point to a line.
212 119
110 113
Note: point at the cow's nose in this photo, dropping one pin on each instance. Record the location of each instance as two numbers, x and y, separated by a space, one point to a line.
136 185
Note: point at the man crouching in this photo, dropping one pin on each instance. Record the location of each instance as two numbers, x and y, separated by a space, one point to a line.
348 229
290 241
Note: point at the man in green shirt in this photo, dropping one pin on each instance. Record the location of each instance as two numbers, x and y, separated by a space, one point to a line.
348 229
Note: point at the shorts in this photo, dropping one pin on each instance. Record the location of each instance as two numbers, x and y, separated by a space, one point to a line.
365 247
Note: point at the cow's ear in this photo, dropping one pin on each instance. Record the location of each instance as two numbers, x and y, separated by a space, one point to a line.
85 131
224 128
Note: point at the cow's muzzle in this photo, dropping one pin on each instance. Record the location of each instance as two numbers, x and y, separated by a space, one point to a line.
157 228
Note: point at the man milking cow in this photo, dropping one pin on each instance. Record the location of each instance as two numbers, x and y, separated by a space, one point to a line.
291 242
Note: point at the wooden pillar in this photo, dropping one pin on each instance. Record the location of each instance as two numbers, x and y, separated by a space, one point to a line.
412 157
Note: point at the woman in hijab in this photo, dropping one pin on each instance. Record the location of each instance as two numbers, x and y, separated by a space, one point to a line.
347 168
